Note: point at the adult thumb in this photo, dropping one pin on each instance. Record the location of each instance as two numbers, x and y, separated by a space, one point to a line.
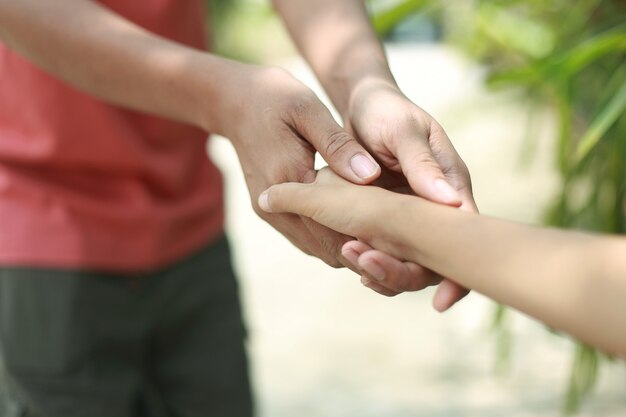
423 173
340 150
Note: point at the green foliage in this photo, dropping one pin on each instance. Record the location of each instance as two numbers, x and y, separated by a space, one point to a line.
388 18
504 338
601 124
571 56
583 377
246 30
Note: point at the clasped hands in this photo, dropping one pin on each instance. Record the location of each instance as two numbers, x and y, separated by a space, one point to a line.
387 141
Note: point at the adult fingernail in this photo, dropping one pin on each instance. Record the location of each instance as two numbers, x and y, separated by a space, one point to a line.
446 190
351 256
363 166
374 270
264 201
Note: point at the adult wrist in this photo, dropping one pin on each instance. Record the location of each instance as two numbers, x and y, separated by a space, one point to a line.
221 87
345 86
363 89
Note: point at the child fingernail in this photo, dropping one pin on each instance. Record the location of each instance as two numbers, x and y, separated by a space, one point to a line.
374 270
351 256
264 201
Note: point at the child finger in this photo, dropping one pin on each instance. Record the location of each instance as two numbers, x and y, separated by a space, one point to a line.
373 285
394 274
447 294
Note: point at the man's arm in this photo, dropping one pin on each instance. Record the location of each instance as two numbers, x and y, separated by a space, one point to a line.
337 39
262 110
103 54
574 282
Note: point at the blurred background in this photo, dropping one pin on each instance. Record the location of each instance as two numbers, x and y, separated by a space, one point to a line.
533 95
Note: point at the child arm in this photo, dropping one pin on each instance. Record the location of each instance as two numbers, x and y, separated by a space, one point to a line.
572 281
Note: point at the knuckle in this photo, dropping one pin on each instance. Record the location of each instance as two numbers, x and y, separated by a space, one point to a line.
298 108
425 158
416 285
467 176
416 123
404 285
456 169
336 144
424 161
299 104
462 168
332 248
404 126
334 263
278 77
389 293
305 250
460 175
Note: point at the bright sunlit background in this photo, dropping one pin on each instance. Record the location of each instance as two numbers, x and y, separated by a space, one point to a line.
323 345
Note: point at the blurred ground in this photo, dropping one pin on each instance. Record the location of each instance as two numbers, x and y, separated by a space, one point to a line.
323 345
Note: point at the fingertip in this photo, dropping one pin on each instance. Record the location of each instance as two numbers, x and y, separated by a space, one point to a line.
448 293
439 304
443 298
447 193
357 246
365 168
369 264
350 254
431 185
264 201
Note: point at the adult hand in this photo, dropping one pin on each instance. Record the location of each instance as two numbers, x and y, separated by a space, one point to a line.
382 219
276 125
417 157
375 220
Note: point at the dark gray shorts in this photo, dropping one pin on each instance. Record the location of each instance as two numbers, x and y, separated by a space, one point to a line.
82 344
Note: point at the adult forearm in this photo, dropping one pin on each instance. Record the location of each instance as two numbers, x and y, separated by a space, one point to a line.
572 281
337 39
275 122
99 52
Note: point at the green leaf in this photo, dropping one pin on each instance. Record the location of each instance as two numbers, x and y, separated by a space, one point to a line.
386 20
610 41
582 379
500 326
513 30
603 121
566 64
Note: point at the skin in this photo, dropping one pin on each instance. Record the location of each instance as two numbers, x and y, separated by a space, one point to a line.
416 155
262 109
574 282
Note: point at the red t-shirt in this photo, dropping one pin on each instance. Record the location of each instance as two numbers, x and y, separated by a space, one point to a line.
85 184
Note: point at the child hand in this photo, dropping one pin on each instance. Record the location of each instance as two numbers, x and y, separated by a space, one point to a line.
364 212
